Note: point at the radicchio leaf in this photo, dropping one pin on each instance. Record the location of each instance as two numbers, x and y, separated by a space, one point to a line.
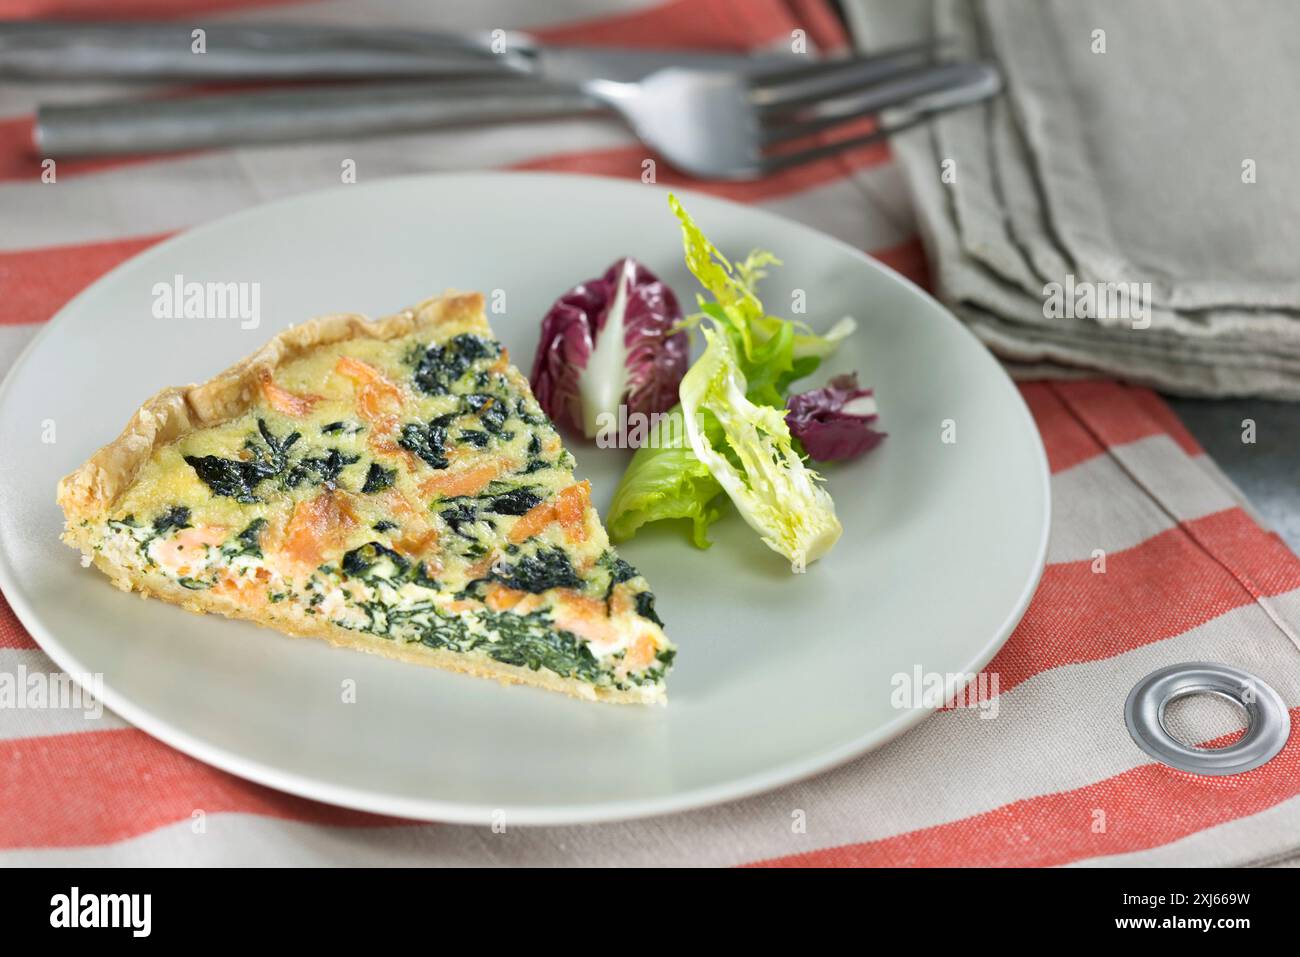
834 423
610 342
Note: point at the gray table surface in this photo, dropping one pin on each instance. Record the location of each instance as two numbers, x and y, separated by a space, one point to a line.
1268 470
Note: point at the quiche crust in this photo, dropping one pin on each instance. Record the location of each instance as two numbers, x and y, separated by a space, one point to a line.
89 494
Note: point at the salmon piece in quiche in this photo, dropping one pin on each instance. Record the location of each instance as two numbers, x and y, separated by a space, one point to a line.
390 486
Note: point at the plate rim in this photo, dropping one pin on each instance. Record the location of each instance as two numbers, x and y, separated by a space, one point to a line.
457 812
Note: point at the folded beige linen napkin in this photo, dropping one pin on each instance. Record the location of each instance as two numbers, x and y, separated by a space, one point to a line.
1108 213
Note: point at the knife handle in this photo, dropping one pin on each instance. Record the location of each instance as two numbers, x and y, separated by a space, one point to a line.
106 129
51 50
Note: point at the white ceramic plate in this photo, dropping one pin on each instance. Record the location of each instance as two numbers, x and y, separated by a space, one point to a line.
778 676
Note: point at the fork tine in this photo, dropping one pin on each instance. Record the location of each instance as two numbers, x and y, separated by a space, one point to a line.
772 77
781 161
935 89
921 111
827 78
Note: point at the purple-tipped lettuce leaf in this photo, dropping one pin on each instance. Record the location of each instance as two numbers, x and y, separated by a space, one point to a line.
610 342
834 422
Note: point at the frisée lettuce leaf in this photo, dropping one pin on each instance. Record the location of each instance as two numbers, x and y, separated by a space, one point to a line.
759 468
771 352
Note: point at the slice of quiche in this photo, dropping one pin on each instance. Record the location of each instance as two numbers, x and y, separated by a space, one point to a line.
390 486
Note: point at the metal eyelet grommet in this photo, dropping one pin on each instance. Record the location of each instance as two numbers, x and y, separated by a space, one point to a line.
1268 724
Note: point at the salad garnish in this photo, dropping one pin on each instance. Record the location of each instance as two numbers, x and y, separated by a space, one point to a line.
758 468
833 423
665 481
733 429
611 341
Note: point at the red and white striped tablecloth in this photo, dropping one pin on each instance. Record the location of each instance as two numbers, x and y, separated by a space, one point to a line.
1055 779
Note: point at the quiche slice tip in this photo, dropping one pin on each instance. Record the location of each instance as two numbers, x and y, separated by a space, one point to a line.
390 486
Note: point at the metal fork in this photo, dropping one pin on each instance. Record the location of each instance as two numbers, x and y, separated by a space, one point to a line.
721 125
724 124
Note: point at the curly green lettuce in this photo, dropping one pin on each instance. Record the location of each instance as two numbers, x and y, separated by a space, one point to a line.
776 494
735 425
772 352
665 481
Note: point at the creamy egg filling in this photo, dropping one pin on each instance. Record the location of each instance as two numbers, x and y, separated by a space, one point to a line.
627 648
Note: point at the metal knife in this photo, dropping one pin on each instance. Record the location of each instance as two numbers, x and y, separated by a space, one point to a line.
281 116
55 50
